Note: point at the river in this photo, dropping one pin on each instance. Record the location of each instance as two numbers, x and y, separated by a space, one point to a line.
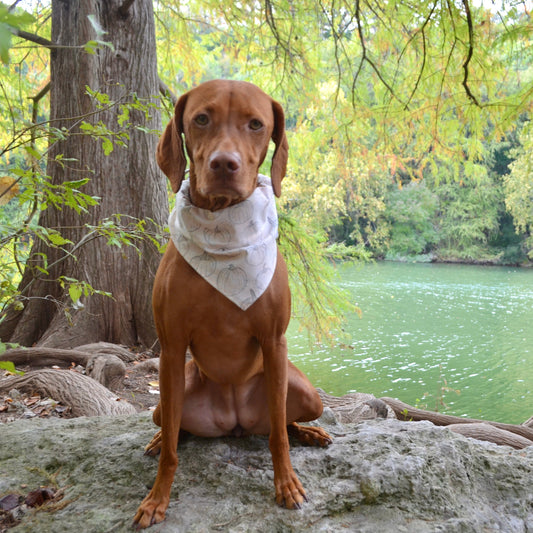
452 338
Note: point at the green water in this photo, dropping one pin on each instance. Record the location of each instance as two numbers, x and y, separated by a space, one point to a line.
462 335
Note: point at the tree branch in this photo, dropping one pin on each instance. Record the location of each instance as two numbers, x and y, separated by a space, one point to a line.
422 31
40 95
165 90
470 53
365 57
31 37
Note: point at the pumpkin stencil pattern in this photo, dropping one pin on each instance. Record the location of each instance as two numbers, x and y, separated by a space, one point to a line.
241 213
233 249
204 264
232 280
220 235
256 255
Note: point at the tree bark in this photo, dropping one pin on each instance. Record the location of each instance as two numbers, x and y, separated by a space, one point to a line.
84 395
127 182
471 428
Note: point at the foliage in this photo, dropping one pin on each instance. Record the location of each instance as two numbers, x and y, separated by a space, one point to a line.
469 217
9 21
27 191
8 366
319 304
412 211
374 94
518 186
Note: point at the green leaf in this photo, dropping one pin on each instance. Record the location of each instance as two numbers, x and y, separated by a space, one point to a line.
5 42
58 240
107 145
86 126
76 184
97 27
75 290
92 45
31 151
10 367
10 19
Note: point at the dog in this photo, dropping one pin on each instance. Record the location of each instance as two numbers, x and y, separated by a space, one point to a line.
232 319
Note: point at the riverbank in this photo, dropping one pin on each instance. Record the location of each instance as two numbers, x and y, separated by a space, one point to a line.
433 258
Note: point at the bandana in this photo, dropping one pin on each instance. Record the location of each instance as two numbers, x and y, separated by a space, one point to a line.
233 249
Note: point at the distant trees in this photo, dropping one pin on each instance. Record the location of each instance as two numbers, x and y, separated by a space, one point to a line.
518 186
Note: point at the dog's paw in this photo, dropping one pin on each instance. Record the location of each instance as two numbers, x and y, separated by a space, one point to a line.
150 512
290 493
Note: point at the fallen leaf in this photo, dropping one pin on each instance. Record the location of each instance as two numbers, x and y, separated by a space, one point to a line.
9 501
38 497
32 400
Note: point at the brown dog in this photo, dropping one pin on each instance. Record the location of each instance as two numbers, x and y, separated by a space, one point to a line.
239 380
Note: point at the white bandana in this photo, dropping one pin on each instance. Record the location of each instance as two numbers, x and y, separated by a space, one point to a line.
233 249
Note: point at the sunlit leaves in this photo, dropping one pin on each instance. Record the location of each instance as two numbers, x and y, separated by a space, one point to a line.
9 21
123 230
319 304
76 289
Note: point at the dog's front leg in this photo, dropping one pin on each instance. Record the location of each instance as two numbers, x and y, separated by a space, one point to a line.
172 387
289 491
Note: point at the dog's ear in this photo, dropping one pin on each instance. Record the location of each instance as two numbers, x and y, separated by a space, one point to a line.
170 154
281 152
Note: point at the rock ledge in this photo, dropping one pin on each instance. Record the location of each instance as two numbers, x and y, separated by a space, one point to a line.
378 475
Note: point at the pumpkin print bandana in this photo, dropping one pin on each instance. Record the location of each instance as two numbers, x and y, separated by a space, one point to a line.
233 249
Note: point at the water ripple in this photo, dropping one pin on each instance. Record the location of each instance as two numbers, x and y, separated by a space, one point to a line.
433 334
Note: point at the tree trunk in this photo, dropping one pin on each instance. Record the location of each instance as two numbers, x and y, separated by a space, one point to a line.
127 181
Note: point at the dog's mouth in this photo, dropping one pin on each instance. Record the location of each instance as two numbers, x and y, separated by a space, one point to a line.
221 201
215 193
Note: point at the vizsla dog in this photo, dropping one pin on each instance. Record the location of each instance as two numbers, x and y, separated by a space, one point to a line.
239 380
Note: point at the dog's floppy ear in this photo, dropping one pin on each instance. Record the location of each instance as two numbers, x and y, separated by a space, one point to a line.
170 154
281 152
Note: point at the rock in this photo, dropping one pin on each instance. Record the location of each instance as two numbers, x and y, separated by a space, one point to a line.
378 475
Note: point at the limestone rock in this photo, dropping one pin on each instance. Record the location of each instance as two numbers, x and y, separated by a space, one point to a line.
378 476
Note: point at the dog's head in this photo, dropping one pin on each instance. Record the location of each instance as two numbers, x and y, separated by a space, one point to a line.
226 127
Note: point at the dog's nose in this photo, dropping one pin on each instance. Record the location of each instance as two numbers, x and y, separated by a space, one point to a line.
225 163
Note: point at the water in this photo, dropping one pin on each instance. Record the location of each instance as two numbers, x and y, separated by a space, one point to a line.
452 338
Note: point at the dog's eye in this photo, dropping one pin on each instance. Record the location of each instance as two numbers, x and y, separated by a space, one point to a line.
255 124
202 119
